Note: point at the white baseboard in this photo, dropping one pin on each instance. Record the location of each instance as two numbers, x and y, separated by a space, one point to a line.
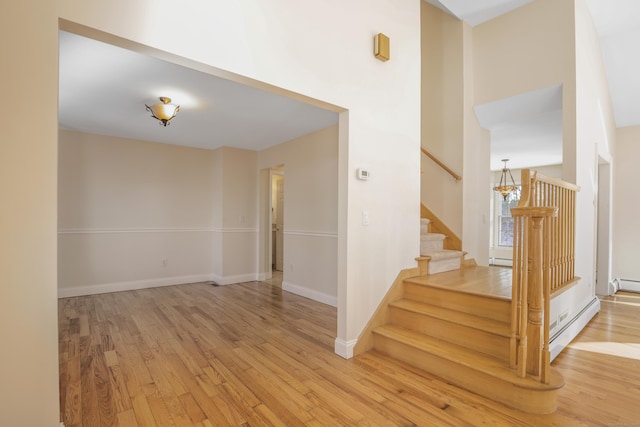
344 348
573 328
613 287
130 286
230 280
310 293
628 285
501 262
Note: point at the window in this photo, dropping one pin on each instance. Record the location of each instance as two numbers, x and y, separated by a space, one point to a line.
505 220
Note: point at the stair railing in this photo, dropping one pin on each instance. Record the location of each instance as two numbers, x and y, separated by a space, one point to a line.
442 165
543 262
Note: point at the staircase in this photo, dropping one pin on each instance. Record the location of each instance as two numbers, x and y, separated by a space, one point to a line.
460 336
432 250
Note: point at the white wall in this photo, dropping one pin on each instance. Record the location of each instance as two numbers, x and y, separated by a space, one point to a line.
595 131
310 212
322 50
132 214
626 205
28 164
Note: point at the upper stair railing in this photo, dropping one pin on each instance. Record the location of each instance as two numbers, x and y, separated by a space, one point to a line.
543 262
442 165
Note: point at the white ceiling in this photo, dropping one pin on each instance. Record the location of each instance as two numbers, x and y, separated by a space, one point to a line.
103 90
526 129
476 12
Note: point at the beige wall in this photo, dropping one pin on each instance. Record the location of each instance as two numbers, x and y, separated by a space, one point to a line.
28 164
237 237
442 130
117 183
476 157
626 227
132 214
310 212
135 214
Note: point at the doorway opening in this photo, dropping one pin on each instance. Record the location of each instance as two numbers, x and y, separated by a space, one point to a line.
603 236
277 225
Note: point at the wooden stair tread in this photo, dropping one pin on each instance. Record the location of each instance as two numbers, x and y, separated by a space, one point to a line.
472 321
436 281
469 358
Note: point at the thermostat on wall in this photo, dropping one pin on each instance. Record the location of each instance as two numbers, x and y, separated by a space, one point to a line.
363 174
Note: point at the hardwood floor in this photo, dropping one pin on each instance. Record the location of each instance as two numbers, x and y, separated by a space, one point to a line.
494 281
252 355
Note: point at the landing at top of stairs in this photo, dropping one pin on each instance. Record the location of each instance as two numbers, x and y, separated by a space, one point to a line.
480 280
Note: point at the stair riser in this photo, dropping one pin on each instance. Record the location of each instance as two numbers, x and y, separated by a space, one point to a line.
472 338
528 400
430 246
440 266
473 304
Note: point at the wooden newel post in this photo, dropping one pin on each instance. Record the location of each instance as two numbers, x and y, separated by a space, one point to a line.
534 293
535 298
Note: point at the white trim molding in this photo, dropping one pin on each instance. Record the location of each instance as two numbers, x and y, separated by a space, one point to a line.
628 285
239 278
344 348
573 327
310 293
155 230
132 285
310 233
134 230
235 230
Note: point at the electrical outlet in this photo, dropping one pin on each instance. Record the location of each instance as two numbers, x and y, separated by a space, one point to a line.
165 263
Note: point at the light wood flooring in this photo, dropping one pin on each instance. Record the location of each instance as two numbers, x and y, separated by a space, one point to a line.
252 355
494 281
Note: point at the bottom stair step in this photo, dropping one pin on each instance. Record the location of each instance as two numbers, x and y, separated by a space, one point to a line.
444 260
469 369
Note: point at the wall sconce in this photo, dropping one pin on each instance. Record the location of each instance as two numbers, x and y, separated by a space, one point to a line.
163 111
505 188
381 48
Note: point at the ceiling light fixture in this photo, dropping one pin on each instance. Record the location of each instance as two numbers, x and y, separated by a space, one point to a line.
505 188
163 111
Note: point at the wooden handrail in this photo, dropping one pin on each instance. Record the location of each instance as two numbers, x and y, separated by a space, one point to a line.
442 165
543 262
542 191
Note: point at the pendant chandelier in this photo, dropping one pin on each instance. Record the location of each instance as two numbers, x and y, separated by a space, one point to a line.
505 188
163 111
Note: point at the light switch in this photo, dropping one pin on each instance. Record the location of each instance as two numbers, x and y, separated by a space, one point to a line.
365 217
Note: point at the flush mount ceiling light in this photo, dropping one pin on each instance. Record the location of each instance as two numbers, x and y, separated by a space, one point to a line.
505 188
163 111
